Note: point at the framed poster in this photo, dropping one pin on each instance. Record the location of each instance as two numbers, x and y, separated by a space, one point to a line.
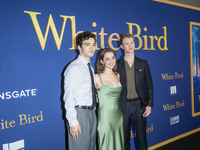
195 67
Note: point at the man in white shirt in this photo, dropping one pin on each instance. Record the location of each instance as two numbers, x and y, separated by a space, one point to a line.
79 96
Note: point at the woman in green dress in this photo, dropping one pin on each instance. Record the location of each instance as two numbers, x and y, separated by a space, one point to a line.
110 119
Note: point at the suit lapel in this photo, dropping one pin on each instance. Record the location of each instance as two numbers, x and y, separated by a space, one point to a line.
123 73
137 65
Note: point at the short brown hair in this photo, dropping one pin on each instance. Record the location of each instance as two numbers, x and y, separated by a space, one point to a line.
126 35
99 65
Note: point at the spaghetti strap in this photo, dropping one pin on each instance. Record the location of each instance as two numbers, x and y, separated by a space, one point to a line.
100 79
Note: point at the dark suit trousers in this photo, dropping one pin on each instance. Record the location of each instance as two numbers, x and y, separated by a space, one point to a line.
134 110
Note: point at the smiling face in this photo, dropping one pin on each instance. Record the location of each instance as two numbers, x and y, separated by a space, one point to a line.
128 45
109 60
87 48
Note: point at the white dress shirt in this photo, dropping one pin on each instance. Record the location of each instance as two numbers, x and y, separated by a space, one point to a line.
77 85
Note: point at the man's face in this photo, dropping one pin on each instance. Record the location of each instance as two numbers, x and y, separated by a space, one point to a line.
128 45
87 49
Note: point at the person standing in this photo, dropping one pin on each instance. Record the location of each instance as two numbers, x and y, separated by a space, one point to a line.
110 118
79 96
137 91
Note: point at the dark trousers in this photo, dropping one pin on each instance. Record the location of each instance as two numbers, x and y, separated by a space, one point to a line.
134 110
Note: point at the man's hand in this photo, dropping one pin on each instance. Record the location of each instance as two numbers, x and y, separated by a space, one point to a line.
147 112
74 131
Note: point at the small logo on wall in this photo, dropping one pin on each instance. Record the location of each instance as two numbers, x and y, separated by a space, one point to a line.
18 145
173 90
168 76
18 94
24 119
174 120
178 104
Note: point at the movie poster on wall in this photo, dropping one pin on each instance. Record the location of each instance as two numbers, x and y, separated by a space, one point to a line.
195 67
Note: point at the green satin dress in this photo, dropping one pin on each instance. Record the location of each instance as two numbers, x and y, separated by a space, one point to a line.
110 119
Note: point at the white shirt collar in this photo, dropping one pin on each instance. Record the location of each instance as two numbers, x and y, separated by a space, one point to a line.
85 61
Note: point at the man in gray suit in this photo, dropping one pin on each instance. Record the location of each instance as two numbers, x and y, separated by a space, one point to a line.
79 96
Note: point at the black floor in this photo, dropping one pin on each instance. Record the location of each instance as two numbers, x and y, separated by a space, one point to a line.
191 142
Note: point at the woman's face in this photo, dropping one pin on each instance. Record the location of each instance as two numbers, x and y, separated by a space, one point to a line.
109 60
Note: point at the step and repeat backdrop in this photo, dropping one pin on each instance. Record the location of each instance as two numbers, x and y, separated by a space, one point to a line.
37 42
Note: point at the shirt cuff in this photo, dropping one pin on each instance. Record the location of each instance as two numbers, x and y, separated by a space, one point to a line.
73 123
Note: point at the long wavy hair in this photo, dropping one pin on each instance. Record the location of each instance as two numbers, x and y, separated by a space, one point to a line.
100 67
